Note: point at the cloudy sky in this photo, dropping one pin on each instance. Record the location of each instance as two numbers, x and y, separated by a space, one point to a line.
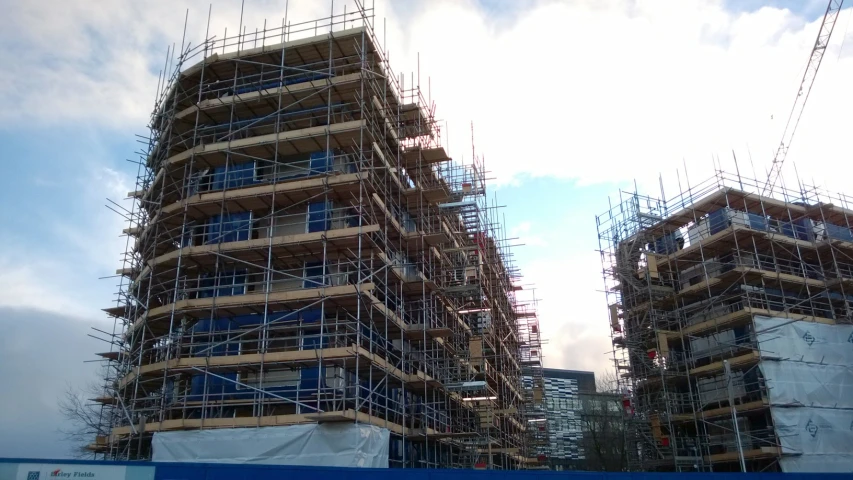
570 101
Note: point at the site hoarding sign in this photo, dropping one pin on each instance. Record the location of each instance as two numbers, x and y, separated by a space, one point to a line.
80 471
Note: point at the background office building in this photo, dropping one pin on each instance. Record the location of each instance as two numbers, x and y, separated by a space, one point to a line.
563 411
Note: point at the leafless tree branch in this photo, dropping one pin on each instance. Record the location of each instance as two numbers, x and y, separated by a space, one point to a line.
83 415
602 421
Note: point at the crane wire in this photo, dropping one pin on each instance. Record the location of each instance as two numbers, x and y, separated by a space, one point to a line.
844 37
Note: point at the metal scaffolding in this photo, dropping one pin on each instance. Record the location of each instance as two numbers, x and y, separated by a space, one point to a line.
303 249
685 279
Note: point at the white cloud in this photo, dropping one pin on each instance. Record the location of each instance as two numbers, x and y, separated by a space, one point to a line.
588 90
521 235
611 91
55 265
99 62
25 286
570 312
41 353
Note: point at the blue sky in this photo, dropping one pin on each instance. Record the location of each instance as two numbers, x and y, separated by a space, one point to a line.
570 102
57 192
805 8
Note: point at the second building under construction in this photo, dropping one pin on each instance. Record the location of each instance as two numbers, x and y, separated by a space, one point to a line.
731 307
304 251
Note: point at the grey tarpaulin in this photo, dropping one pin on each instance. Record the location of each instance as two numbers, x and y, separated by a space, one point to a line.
334 445
808 369
784 339
814 431
809 384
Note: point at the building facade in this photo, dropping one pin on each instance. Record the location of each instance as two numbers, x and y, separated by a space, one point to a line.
563 407
585 427
730 310
303 250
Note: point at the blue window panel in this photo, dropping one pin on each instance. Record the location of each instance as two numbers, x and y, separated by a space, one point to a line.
240 278
318 217
717 221
187 237
206 285
838 232
309 406
242 393
216 348
233 176
395 449
209 326
305 78
314 277
803 229
196 386
222 385
773 291
243 174
215 385
255 88
312 316
247 320
277 83
309 377
214 229
281 317
219 347
226 280
238 227
232 283
320 162
231 227
757 222
799 229
312 340
201 326
366 331
219 174
666 244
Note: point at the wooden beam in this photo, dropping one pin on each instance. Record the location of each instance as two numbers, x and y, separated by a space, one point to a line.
744 359
320 182
348 415
259 140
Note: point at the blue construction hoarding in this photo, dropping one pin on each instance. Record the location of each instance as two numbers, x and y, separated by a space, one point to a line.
40 469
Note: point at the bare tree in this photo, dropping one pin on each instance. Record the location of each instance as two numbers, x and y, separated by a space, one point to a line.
603 426
83 416
607 382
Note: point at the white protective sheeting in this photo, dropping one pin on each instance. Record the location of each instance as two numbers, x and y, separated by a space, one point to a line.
808 369
808 384
783 339
817 463
333 445
814 431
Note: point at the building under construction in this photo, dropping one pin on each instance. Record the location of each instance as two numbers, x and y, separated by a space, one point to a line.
303 251
732 276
